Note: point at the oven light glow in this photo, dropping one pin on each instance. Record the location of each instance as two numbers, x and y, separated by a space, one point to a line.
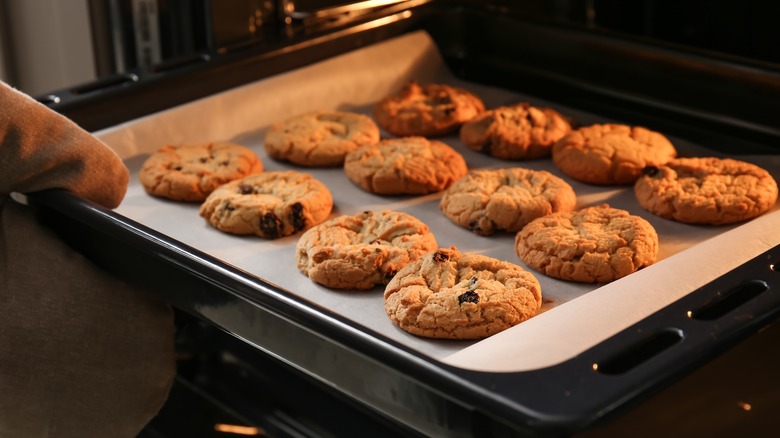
745 406
689 313
595 367
238 430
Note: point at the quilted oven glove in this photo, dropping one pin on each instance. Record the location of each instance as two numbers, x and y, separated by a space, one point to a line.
82 354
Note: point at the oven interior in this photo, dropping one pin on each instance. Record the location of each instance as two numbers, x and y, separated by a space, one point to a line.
606 57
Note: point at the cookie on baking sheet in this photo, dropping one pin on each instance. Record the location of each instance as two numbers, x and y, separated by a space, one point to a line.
405 166
447 294
361 251
190 172
591 245
706 190
517 132
611 153
489 200
427 110
269 204
320 138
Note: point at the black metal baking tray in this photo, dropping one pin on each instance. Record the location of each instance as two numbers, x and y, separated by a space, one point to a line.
429 396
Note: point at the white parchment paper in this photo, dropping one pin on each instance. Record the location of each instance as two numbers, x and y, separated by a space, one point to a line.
574 316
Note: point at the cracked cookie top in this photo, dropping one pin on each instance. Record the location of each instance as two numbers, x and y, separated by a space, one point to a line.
269 204
408 165
518 132
190 172
611 154
320 138
592 245
706 190
427 110
362 251
447 294
489 200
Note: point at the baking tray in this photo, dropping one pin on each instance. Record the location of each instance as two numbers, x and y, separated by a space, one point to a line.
356 81
589 352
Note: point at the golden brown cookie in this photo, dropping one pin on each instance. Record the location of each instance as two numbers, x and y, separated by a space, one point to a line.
428 111
361 251
517 132
489 200
446 294
707 190
611 154
320 138
269 204
191 172
591 245
405 166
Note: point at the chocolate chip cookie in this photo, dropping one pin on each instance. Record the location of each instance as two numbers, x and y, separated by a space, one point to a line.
320 138
518 132
446 294
362 251
269 204
489 200
592 245
190 172
706 190
408 165
427 110
611 154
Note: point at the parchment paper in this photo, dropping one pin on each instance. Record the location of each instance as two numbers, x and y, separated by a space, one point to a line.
574 316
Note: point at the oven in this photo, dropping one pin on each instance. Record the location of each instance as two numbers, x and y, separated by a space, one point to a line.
684 347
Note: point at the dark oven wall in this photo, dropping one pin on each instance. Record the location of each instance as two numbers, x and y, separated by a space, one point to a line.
629 60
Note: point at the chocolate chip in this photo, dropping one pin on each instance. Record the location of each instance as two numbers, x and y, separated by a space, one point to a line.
246 189
366 212
177 168
439 256
469 296
203 160
487 147
378 250
296 216
473 282
375 242
650 171
474 225
270 225
389 275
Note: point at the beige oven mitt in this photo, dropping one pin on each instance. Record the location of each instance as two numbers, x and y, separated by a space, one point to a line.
82 354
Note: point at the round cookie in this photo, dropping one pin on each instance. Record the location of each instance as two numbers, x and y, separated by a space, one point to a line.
430 110
446 294
320 138
518 132
408 165
591 245
706 190
269 204
611 153
361 251
489 200
191 172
